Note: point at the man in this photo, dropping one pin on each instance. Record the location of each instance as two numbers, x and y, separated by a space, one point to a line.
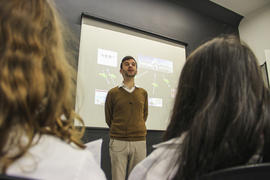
126 110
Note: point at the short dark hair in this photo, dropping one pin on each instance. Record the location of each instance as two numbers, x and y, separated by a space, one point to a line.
125 59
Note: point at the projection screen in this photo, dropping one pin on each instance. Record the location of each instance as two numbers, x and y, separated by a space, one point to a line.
102 47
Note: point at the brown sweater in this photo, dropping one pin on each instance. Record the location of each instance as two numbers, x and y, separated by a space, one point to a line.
126 113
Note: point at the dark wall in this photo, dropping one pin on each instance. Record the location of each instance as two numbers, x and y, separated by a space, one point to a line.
189 21
181 20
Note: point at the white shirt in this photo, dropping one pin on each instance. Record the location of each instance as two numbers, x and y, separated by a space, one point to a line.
161 164
53 158
125 88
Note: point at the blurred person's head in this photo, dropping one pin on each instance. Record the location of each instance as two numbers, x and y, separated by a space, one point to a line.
35 78
223 105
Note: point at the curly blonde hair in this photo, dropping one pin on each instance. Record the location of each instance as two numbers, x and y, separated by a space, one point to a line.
35 78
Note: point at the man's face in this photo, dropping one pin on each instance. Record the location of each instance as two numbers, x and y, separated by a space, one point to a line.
129 68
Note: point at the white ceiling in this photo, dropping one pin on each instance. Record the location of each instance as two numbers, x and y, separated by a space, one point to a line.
242 7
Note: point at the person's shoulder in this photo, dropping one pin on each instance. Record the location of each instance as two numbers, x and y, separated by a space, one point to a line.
172 143
113 90
55 154
155 166
83 159
141 89
89 166
58 144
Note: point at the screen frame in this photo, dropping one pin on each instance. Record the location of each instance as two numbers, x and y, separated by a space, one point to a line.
132 28
160 38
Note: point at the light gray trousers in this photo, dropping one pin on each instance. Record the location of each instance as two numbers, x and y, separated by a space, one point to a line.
125 154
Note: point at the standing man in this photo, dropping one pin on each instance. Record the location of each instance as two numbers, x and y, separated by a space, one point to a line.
126 110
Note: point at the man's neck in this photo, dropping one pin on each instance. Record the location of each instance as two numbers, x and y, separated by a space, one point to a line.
129 82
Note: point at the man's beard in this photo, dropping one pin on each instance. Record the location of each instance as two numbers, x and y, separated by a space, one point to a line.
130 75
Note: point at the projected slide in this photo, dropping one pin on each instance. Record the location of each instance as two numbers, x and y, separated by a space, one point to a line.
102 47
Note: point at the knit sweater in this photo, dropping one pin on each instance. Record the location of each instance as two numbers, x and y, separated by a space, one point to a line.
126 113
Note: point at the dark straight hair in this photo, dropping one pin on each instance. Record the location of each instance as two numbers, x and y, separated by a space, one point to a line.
223 105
